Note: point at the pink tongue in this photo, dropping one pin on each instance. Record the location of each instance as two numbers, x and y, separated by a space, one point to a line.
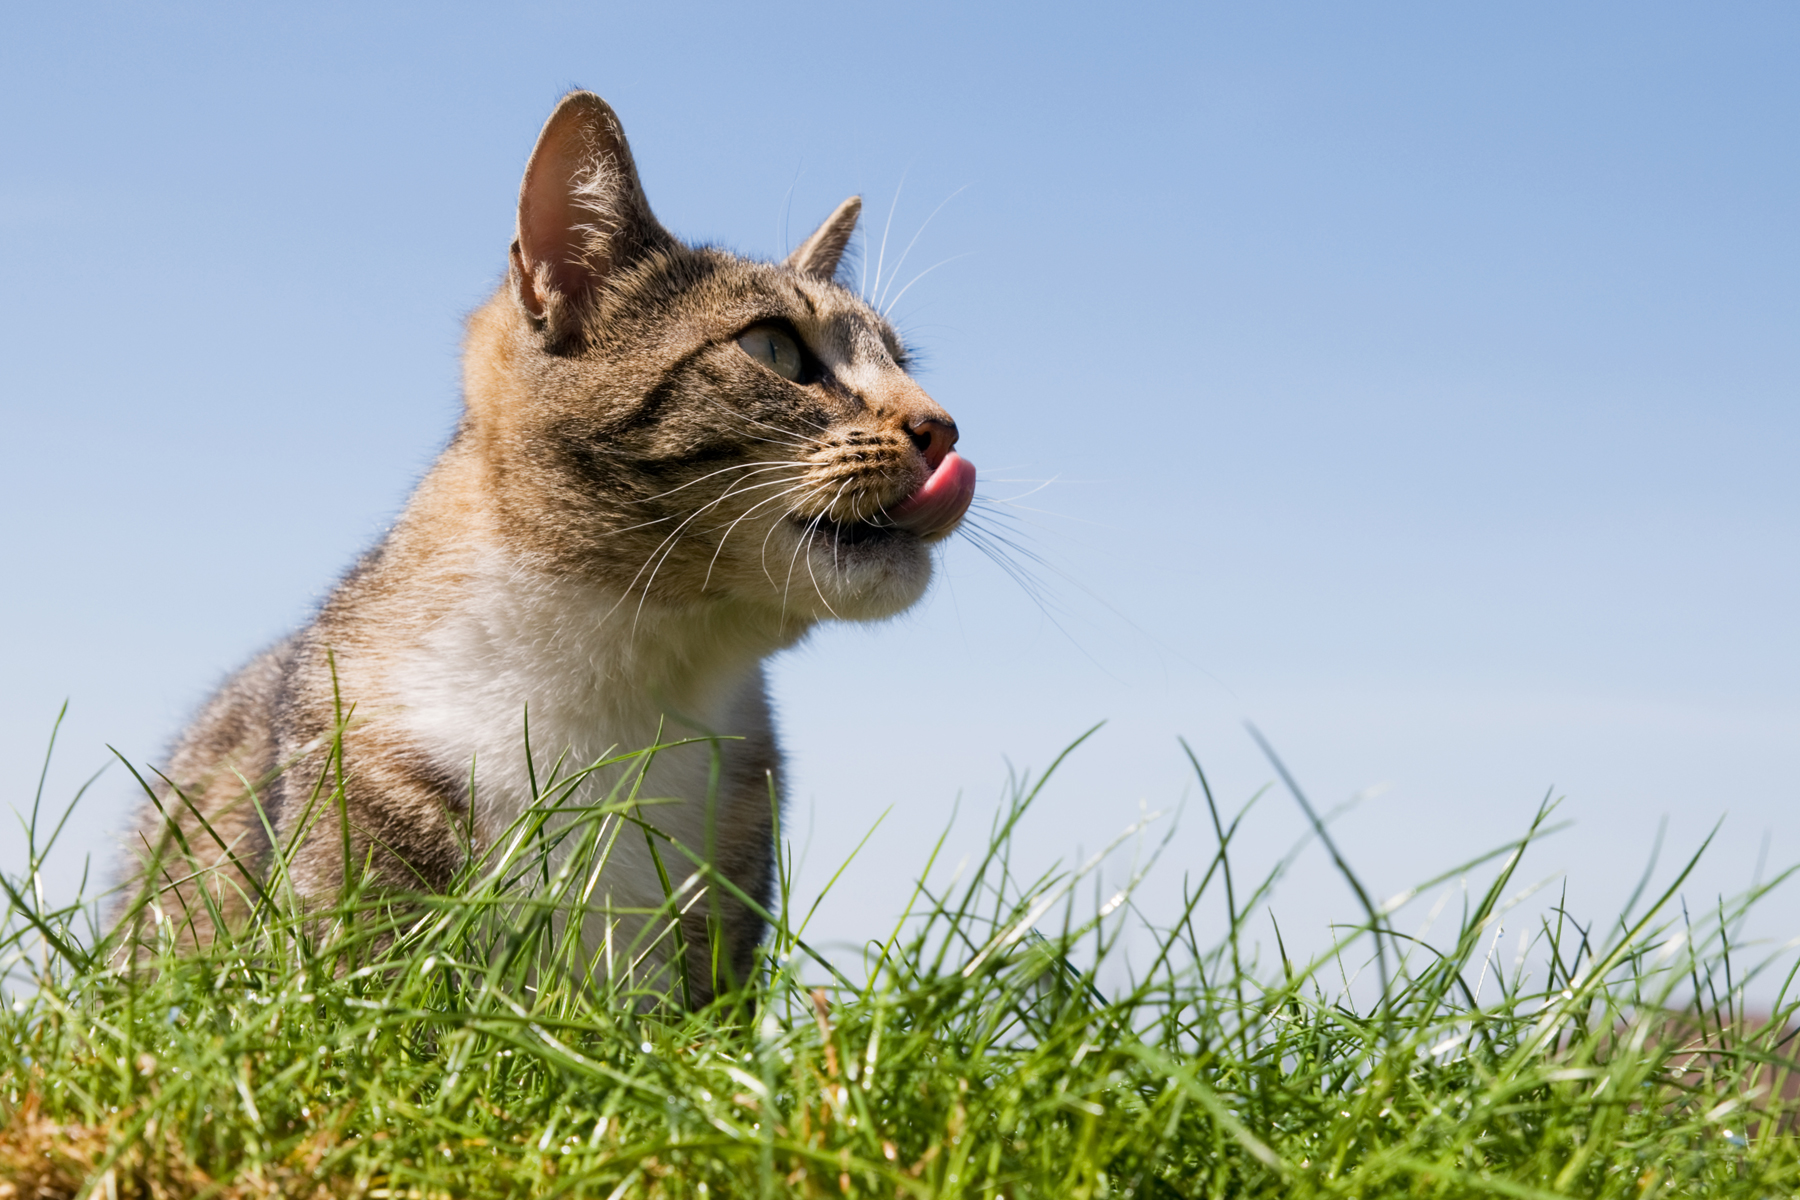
940 502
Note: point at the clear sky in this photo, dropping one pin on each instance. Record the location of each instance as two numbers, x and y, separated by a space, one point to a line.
1417 381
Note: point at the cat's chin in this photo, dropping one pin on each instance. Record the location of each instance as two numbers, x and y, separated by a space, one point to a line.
855 573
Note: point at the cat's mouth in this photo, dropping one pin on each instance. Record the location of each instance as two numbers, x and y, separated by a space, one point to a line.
853 533
930 513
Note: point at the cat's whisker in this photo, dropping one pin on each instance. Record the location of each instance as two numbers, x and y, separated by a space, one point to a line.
996 550
787 205
793 439
981 529
835 539
997 543
882 253
806 544
821 426
901 261
674 537
1028 582
733 490
856 518
1008 508
815 578
1033 587
1041 485
793 511
977 525
788 442
792 433
811 444
832 503
988 520
805 541
674 516
668 542
763 464
798 447
641 525
740 520
922 274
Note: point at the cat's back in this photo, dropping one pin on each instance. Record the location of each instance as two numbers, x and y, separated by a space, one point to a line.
235 728
220 771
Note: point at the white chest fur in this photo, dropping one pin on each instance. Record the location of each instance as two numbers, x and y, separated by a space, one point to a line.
597 677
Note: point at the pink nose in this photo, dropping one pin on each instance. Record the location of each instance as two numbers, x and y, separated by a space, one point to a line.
934 436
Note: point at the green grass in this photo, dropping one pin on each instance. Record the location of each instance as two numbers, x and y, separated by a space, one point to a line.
993 1043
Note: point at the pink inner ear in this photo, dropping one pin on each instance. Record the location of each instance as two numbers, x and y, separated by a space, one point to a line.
547 236
551 240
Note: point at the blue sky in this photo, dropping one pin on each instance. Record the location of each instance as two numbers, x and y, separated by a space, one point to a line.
1415 381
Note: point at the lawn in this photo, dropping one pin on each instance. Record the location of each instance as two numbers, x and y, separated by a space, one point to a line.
993 1042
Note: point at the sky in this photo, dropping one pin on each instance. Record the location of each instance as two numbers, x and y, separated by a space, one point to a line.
1414 382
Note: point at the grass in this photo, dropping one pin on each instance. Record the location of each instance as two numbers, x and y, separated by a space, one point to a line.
993 1043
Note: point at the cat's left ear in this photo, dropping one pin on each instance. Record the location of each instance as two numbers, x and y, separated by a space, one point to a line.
582 214
818 255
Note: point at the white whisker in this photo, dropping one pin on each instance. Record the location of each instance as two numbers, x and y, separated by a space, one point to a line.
819 591
922 274
834 535
805 541
901 261
768 464
1041 485
882 253
792 433
734 490
669 542
792 510
740 520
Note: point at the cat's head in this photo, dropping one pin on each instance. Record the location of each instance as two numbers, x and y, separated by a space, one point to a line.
685 424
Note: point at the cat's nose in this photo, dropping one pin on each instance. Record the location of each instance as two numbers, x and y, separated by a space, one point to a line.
934 436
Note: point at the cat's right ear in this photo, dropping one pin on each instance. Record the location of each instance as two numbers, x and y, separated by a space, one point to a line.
582 214
818 255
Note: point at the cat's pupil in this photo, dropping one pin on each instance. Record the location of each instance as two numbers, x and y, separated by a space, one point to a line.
773 349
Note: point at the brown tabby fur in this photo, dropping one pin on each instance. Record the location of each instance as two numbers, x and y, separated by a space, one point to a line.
633 513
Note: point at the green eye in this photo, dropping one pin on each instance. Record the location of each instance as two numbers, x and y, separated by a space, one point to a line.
773 349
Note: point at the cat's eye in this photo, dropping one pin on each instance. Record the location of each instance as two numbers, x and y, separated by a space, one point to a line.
774 350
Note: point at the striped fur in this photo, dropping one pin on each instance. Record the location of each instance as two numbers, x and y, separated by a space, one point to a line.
633 514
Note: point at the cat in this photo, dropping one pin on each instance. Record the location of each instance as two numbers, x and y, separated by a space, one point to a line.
673 462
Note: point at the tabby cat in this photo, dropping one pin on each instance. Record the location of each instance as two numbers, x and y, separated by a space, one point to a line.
673 462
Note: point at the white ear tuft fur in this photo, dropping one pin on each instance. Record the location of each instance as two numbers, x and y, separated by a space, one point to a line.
819 255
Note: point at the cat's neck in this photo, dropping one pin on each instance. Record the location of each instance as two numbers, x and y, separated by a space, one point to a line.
475 633
575 635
